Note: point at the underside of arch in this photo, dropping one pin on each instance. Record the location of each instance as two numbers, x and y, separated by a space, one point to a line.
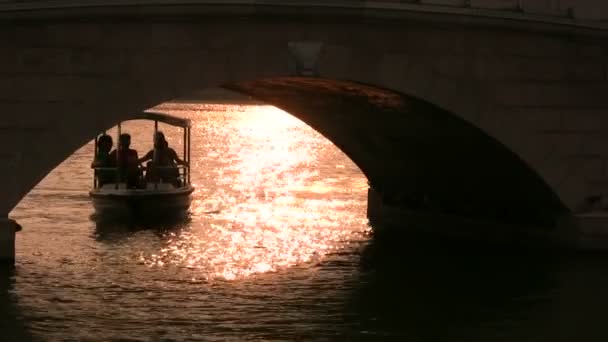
414 153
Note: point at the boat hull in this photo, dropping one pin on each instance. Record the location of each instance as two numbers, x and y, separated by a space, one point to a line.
142 204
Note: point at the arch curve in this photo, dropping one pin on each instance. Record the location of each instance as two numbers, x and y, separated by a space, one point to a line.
413 151
86 85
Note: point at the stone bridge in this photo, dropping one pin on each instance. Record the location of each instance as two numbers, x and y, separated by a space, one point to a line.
484 109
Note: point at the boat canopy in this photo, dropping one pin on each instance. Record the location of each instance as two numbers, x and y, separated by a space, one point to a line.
162 117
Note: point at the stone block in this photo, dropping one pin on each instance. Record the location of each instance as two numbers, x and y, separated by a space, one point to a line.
247 63
532 120
6 87
529 68
8 229
456 66
545 152
384 1
585 70
218 37
462 98
364 65
507 127
544 7
392 69
72 89
495 4
7 37
12 137
27 115
572 190
453 3
437 42
404 73
161 35
592 230
43 60
550 94
97 61
592 10
508 67
31 35
598 51
590 168
168 61
597 188
505 43
562 144
334 61
531 146
584 119
553 170
9 59
70 35
416 80
594 144
149 61
604 177
57 61
11 174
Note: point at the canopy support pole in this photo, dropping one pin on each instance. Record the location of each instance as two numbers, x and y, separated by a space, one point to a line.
118 133
95 159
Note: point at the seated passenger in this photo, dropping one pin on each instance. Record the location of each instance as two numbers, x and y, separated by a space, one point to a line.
163 161
126 159
103 160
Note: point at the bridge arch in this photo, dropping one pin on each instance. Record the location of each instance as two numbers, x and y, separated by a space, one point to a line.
70 79
414 153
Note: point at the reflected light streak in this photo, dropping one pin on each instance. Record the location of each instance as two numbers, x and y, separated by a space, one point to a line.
271 219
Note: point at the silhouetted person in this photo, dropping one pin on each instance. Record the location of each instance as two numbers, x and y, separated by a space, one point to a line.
163 161
103 160
127 161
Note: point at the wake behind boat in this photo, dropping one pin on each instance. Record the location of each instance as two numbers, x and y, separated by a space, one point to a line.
122 187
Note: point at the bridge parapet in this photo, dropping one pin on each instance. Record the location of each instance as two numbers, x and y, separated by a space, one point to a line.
573 12
542 96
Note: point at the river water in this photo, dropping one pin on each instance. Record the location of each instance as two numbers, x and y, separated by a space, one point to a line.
277 248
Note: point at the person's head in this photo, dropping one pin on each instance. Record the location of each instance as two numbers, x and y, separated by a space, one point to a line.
104 143
159 140
124 141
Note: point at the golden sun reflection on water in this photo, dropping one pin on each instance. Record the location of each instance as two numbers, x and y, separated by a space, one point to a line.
278 207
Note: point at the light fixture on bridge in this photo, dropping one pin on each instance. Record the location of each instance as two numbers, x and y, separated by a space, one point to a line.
304 58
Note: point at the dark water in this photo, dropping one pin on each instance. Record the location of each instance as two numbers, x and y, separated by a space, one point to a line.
277 248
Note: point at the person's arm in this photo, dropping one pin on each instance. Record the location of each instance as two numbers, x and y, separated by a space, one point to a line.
98 163
176 158
135 157
145 158
112 159
108 161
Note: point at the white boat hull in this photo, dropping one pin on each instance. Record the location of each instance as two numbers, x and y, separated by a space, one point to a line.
142 203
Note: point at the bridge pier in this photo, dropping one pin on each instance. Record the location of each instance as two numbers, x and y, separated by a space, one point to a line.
570 231
592 230
8 230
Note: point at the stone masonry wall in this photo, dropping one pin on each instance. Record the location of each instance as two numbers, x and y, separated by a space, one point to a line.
579 10
542 95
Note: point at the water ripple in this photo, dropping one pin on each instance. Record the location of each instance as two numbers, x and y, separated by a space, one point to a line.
275 225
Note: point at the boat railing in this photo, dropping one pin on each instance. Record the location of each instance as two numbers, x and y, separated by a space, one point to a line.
182 178
182 174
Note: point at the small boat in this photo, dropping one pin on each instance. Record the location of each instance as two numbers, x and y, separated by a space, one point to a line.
149 199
